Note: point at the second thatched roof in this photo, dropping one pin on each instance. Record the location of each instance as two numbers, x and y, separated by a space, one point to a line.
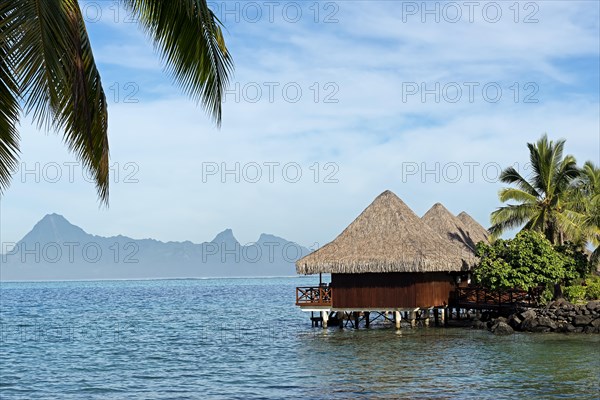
477 232
386 237
450 227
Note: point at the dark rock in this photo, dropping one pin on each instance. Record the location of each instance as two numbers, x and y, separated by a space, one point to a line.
502 329
545 321
595 323
527 314
562 327
589 329
560 302
582 320
514 321
529 323
570 328
593 305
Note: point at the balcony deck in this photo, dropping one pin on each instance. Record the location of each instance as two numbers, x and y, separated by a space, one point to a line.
476 298
314 296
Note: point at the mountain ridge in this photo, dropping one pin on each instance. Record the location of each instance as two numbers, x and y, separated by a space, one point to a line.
57 249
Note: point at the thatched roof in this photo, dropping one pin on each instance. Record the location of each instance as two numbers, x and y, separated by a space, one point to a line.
450 227
477 232
386 237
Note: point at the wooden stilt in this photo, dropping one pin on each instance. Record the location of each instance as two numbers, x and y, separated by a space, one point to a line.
436 316
446 316
397 319
367 322
325 317
356 319
341 319
413 319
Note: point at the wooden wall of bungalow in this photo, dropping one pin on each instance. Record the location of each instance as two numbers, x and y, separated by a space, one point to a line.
380 291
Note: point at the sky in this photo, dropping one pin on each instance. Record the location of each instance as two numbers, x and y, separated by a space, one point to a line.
331 103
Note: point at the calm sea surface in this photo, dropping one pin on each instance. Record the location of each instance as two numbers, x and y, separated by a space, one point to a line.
244 338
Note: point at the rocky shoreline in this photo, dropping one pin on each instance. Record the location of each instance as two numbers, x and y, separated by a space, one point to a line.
558 316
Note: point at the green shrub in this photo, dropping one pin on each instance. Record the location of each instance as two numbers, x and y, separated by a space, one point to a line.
575 293
527 261
547 295
592 290
576 263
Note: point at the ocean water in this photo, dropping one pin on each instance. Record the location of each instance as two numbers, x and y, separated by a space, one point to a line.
244 338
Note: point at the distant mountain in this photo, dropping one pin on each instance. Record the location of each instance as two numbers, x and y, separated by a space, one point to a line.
55 249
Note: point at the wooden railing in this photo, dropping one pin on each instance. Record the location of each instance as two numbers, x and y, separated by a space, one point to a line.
476 297
313 296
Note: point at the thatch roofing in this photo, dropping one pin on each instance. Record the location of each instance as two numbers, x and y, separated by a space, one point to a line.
386 237
477 232
450 227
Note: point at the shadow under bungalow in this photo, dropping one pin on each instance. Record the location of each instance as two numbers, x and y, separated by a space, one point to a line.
389 264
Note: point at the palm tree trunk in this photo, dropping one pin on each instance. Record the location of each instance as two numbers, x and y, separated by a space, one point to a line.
558 294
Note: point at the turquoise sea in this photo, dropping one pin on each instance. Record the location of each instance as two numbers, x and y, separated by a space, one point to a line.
245 339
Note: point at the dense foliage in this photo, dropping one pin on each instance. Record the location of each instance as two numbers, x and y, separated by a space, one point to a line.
527 261
575 259
588 289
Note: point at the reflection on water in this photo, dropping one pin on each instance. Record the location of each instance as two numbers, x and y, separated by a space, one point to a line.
244 338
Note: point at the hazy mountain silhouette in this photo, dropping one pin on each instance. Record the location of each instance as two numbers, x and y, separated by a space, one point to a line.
57 249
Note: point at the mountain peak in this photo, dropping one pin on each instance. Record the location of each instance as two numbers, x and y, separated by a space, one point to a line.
225 237
54 217
54 227
267 237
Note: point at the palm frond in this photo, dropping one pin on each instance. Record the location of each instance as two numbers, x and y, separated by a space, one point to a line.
9 106
508 194
83 109
35 29
512 176
58 79
512 216
190 41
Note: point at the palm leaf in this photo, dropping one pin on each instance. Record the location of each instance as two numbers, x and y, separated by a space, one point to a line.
508 194
83 108
189 39
9 107
57 77
512 176
512 216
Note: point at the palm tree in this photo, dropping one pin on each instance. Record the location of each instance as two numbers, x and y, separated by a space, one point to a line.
584 205
47 70
541 199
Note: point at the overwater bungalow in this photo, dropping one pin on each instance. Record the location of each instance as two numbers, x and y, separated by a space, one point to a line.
388 261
